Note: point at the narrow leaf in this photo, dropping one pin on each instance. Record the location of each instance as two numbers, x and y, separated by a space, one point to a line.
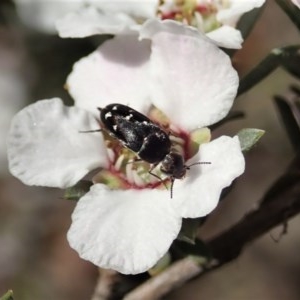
189 230
289 111
286 56
249 137
262 70
291 10
291 60
295 89
248 20
161 265
7 296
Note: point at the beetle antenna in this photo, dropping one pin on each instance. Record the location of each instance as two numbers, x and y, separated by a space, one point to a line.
96 130
88 131
198 163
156 176
172 184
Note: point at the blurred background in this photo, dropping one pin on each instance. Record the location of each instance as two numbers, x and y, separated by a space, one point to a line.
35 258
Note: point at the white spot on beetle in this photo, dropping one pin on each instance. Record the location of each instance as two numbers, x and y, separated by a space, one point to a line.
115 107
129 117
115 127
108 115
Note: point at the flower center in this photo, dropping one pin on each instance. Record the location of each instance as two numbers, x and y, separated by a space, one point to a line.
197 13
127 170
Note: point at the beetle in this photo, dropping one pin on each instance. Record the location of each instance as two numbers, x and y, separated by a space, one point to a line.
147 139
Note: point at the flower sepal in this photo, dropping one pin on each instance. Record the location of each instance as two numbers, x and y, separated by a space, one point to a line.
161 265
75 192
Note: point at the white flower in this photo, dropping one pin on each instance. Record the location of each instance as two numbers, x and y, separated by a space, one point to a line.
42 14
81 18
217 18
184 75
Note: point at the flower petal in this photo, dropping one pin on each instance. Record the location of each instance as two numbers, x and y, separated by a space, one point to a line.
41 15
195 84
231 15
128 231
199 193
297 3
226 37
141 9
91 21
46 148
116 72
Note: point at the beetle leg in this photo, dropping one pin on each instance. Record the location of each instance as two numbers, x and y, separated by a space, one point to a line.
156 176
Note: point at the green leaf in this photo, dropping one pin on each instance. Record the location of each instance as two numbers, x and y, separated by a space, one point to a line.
288 57
291 60
289 109
161 265
78 190
249 137
291 10
248 20
245 25
8 296
262 70
189 230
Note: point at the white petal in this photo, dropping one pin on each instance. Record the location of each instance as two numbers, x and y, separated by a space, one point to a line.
41 15
46 148
116 72
231 15
198 194
128 231
226 37
154 27
194 82
297 3
141 9
91 21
